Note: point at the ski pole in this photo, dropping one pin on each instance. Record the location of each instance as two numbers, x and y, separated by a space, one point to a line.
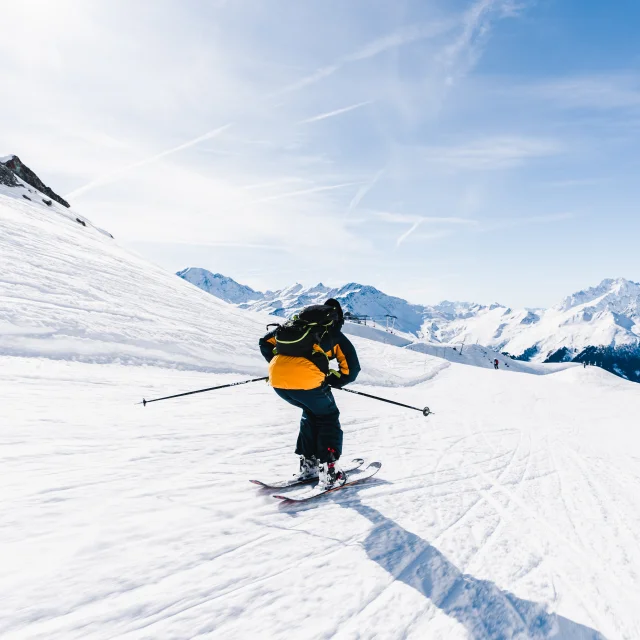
425 412
189 393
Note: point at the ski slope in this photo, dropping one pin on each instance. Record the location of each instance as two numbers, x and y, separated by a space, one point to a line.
513 512
478 355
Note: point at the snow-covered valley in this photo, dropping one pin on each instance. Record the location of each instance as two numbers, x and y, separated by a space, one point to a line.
512 512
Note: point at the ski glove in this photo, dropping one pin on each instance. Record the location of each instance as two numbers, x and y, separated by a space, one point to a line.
333 378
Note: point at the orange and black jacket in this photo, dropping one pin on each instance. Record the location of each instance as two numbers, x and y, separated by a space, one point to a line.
289 372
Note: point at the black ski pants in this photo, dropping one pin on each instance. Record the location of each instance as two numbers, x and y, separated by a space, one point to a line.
320 433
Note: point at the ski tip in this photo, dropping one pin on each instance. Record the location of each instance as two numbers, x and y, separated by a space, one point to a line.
375 465
282 498
260 484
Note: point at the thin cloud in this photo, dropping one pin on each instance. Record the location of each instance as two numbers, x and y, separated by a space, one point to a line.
337 112
577 182
272 183
114 175
465 51
492 153
510 223
553 217
597 92
432 235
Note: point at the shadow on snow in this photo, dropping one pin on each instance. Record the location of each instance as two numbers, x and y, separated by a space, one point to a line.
485 610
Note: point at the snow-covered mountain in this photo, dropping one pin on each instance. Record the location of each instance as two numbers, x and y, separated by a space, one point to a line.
511 512
219 286
361 300
600 325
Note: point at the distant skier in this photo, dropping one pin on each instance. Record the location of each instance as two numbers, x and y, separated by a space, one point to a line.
298 354
584 364
495 363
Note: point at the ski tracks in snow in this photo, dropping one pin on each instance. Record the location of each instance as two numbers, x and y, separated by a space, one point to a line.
485 519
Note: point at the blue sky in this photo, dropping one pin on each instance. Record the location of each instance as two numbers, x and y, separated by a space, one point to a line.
477 150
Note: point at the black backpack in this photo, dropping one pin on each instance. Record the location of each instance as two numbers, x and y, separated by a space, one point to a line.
297 336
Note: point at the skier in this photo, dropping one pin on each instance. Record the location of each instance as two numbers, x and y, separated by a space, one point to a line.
495 363
305 381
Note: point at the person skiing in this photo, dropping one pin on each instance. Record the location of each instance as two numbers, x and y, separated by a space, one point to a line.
305 381
495 363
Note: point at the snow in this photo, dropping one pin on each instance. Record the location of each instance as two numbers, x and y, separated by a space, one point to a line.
92 301
123 521
378 334
607 315
478 356
512 512
360 299
218 285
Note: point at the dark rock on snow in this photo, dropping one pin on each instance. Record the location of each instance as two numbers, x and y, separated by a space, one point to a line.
7 178
21 170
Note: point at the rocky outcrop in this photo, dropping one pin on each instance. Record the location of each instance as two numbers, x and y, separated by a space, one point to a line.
21 170
7 178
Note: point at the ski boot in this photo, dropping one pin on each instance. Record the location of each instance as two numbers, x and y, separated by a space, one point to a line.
308 469
330 476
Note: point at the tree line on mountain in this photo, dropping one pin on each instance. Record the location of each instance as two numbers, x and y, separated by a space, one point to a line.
623 361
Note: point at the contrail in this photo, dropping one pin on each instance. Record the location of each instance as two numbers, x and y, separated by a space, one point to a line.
394 40
401 218
337 112
362 192
312 78
406 234
291 194
109 177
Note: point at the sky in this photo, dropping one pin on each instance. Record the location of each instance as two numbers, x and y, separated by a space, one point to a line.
482 150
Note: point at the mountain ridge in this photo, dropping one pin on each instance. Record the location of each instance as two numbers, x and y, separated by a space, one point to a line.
13 163
599 324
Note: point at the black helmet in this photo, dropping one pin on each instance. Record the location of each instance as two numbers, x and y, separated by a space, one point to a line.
332 302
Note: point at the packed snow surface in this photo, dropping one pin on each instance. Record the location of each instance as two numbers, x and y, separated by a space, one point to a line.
512 512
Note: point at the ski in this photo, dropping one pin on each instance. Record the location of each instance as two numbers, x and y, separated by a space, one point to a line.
355 478
356 463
